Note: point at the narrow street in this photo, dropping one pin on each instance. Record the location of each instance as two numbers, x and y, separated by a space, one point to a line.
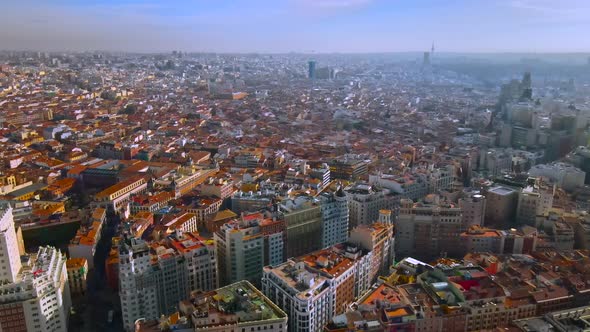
91 310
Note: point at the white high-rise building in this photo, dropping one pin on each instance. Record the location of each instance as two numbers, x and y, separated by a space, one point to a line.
137 285
335 213
154 278
11 264
34 295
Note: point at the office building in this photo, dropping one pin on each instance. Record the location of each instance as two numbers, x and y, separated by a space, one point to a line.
150 285
378 239
564 175
245 245
304 222
428 229
426 59
532 202
311 65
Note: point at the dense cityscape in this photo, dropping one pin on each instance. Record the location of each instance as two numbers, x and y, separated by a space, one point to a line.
295 192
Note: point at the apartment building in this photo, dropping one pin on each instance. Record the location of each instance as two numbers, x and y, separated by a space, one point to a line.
315 287
306 295
77 271
473 207
154 277
245 245
220 188
365 201
428 229
84 243
116 197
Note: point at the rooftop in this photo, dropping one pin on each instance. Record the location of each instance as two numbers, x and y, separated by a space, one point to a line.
237 303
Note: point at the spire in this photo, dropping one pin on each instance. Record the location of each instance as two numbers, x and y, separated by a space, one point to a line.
432 49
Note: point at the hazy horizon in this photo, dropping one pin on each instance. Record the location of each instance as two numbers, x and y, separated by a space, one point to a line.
298 26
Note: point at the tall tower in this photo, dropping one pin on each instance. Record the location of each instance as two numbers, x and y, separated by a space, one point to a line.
11 264
526 87
311 69
426 60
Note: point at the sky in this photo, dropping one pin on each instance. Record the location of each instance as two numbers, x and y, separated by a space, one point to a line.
309 26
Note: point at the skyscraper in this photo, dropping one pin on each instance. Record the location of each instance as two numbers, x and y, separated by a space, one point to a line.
526 86
34 293
311 69
426 60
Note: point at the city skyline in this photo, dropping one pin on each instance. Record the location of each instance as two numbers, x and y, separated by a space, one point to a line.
303 26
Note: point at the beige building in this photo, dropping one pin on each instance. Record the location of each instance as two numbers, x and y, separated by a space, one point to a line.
77 271
428 229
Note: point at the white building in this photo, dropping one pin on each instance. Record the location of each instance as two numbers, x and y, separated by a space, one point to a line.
365 201
11 264
335 216
116 197
565 175
495 161
37 297
154 278
411 186
312 292
532 202
221 188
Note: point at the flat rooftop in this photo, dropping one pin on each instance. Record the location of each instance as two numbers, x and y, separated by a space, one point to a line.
240 302
502 190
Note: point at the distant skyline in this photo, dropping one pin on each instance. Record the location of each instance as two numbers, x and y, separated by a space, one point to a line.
305 26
